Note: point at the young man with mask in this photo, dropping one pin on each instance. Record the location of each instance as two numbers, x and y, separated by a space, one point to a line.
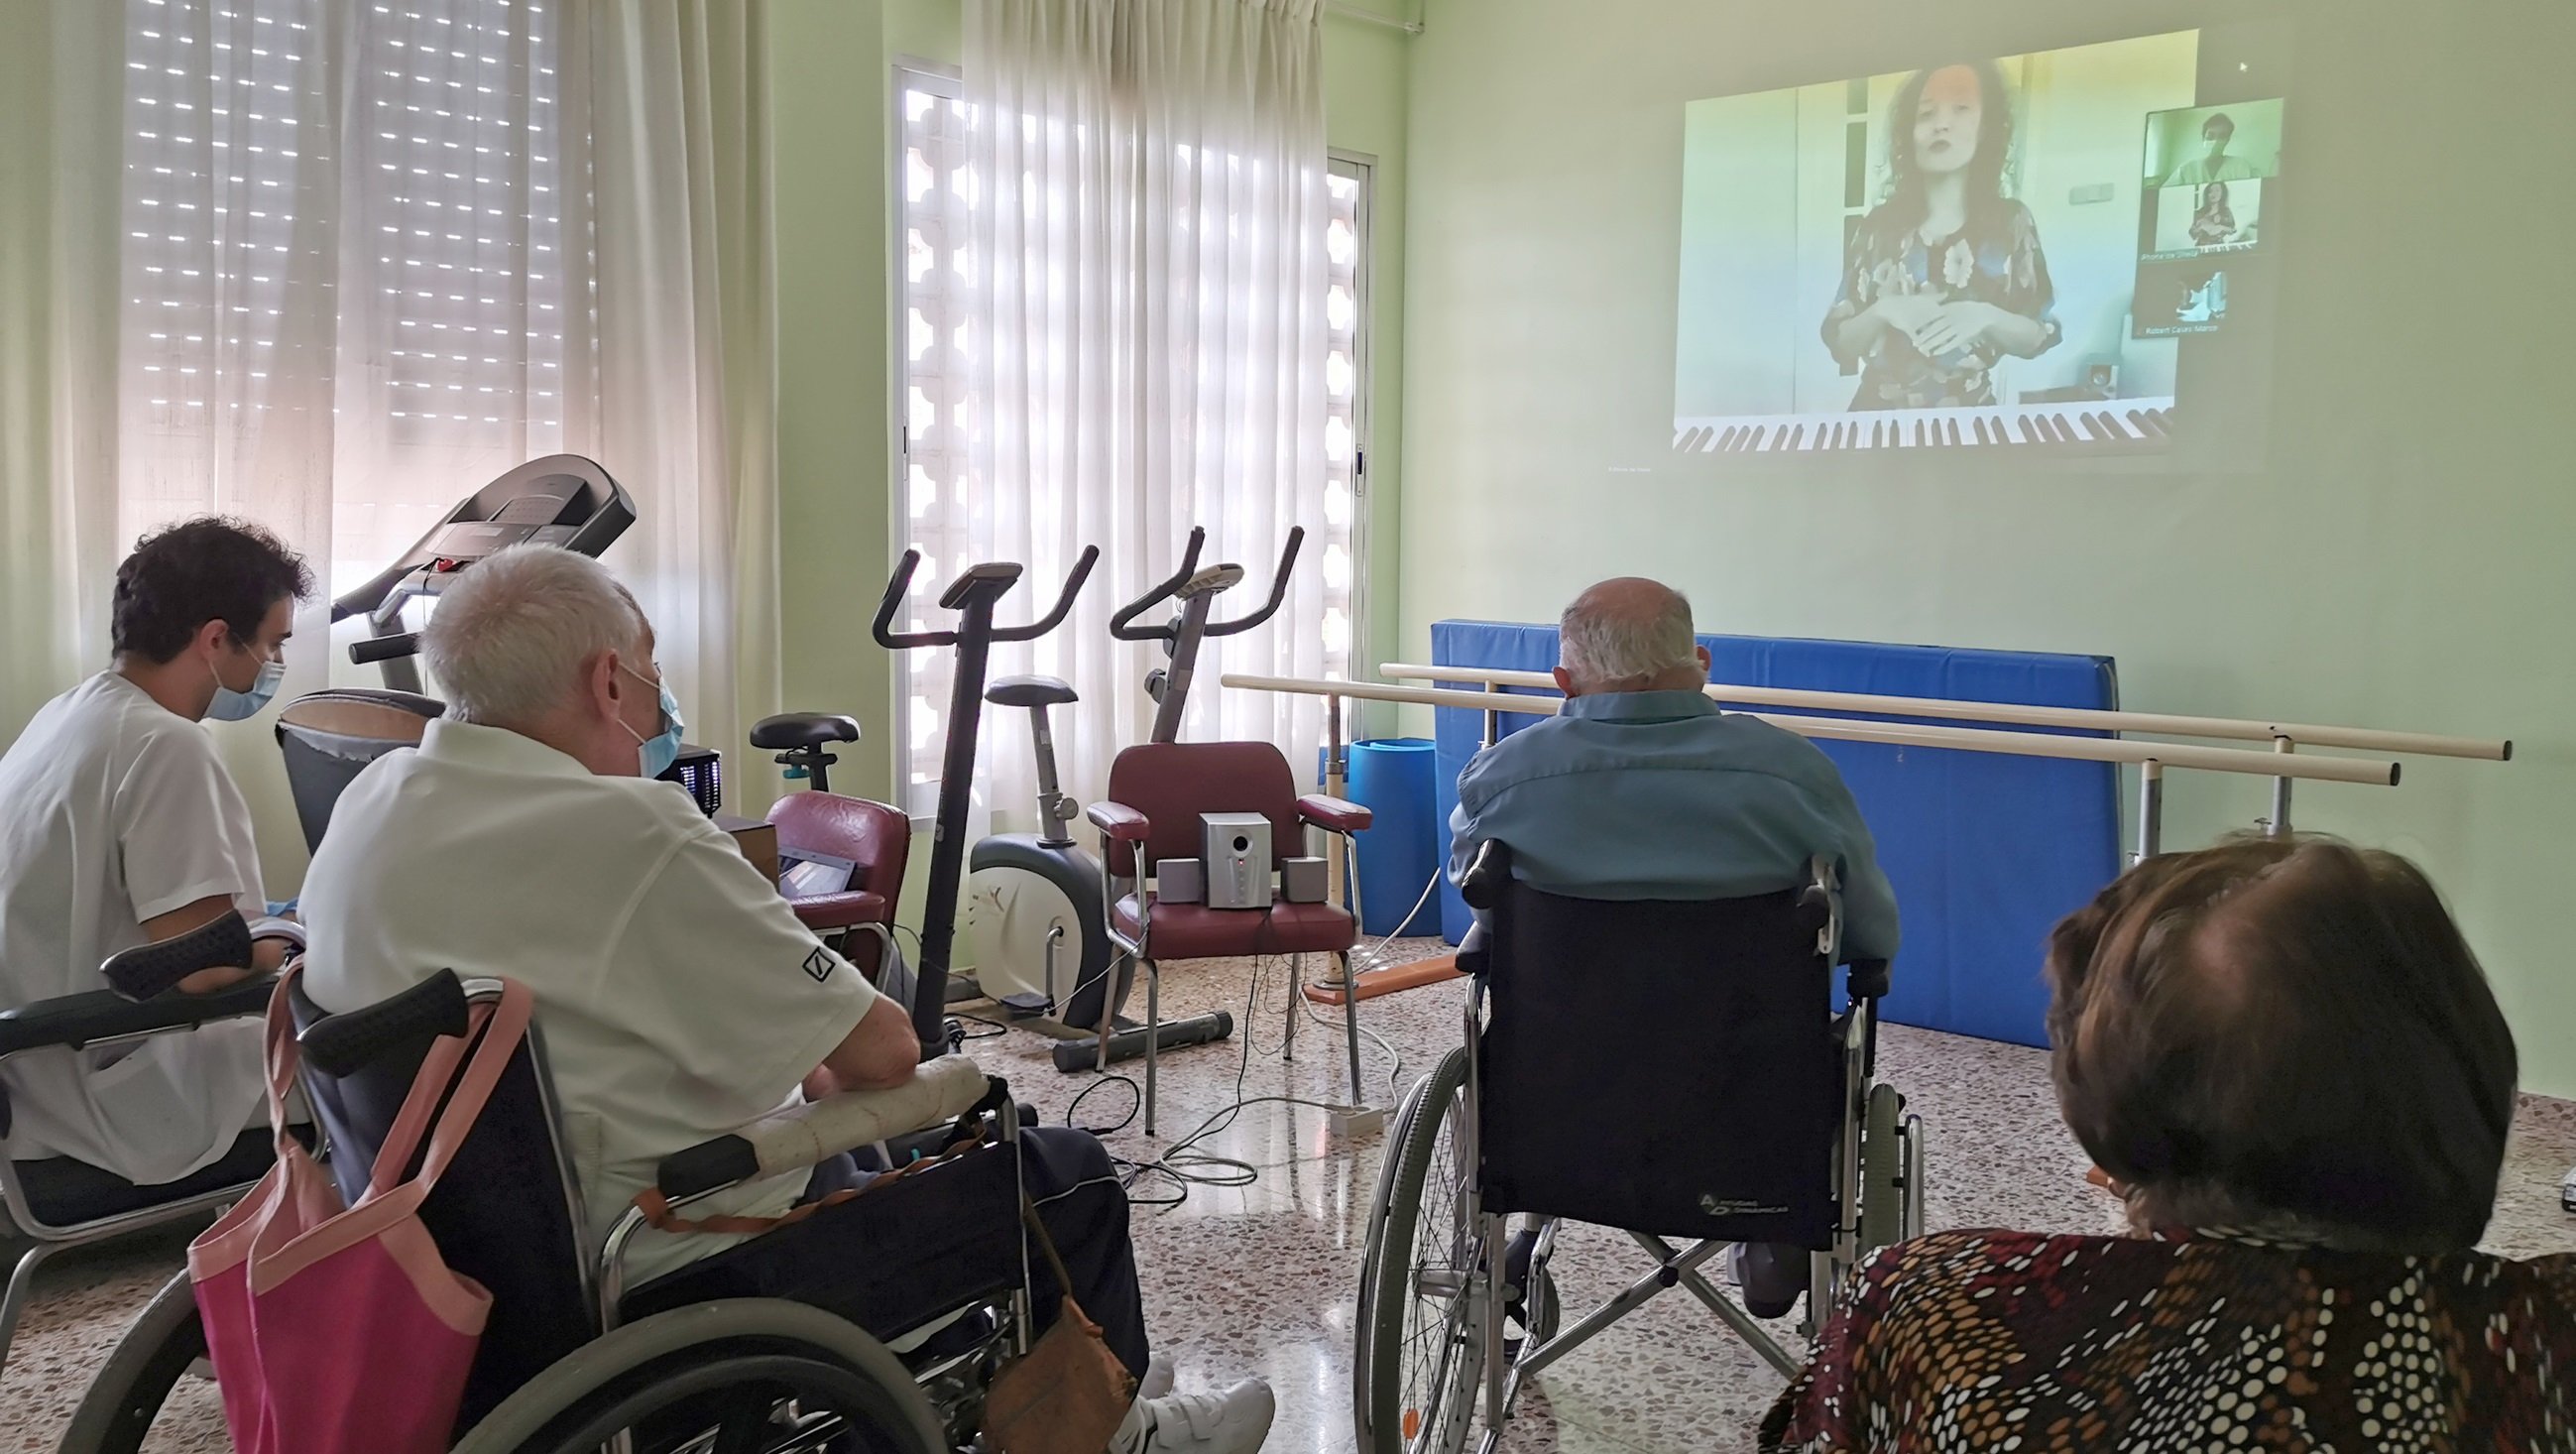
120 826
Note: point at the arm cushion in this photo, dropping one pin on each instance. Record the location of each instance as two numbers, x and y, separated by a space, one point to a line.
1334 813
801 1136
76 1020
1121 823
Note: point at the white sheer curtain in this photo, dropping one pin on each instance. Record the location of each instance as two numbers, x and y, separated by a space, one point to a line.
1143 346
358 272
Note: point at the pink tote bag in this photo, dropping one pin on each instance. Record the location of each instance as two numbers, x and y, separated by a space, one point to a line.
340 1330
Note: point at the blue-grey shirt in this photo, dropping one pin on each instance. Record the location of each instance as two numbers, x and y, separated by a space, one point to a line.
1659 795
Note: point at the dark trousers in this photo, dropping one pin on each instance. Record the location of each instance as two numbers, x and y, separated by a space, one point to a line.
1068 1175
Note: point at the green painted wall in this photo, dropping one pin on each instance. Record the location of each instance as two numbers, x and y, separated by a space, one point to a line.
831 66
2398 556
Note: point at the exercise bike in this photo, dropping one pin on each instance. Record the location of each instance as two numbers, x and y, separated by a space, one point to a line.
1196 591
972 596
1043 950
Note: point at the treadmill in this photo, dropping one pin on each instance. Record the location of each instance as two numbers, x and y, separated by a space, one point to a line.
328 737
562 499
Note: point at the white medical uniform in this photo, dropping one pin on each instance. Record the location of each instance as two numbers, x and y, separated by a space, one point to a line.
114 810
678 996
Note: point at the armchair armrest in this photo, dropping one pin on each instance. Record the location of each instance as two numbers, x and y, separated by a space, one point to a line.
78 1020
1121 824
801 1136
1337 814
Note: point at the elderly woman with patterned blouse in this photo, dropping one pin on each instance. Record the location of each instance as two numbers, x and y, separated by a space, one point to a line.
2287 1059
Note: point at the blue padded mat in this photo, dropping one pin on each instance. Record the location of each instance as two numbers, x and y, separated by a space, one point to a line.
1986 851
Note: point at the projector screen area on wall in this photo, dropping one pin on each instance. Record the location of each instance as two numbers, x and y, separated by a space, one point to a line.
2066 249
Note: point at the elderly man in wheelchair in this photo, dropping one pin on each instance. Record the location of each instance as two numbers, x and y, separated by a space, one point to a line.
662 1194
1664 896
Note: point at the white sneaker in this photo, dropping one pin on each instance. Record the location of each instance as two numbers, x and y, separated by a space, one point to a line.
1232 1422
1157 1380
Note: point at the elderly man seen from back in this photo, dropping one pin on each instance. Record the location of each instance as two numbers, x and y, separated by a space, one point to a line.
679 996
1642 789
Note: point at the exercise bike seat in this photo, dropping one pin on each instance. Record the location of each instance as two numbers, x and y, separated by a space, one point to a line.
802 729
1029 692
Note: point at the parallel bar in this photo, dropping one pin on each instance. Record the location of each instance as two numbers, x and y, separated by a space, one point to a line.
2368 739
1367 16
2376 772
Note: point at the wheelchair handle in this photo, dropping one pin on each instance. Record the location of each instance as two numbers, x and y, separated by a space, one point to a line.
147 970
1119 624
344 1044
1063 602
1482 885
1278 589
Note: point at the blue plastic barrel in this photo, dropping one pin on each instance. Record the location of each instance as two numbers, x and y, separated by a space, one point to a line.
1392 778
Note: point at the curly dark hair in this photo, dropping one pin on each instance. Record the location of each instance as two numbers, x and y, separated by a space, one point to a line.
1905 200
2284 1031
209 569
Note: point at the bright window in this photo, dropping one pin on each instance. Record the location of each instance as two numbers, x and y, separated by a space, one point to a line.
352 282
936 506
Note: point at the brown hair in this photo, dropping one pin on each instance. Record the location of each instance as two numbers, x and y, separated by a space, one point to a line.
2284 1031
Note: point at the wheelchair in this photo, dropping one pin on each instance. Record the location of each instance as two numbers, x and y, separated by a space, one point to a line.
716 1356
1589 1024
57 1203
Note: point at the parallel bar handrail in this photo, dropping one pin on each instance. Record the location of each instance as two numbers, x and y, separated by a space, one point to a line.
2368 739
2376 772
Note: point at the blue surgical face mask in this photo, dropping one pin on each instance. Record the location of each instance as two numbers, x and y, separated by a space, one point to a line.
232 706
654 755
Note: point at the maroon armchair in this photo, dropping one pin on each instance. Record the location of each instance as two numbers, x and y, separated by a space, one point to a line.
1156 793
859 920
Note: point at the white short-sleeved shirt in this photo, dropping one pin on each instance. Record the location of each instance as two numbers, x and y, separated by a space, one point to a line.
678 995
114 810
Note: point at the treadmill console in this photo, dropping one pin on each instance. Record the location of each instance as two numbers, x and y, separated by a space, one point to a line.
562 499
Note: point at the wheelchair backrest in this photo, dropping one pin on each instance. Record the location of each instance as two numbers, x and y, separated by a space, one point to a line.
506 1214
1659 1066
1172 783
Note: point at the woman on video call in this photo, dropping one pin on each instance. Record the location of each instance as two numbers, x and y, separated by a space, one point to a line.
2215 222
1946 275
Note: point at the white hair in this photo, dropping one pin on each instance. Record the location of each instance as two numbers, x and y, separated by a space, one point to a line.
1626 632
508 639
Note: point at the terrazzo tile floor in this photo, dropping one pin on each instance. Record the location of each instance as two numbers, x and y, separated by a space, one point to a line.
1258 1278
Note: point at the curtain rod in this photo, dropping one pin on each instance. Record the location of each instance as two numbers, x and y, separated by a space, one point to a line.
1371 17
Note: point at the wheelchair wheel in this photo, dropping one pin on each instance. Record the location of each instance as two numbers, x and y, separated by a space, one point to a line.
739 1374
147 1372
774 1401
1882 1169
1426 1304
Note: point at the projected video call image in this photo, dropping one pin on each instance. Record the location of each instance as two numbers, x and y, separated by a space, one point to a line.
2015 250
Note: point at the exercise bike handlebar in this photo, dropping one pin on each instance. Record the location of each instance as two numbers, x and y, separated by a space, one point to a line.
1278 589
1119 624
886 636
1063 602
896 590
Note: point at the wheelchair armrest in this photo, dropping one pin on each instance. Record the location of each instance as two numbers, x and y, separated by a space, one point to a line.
1120 823
78 1020
1868 979
1337 814
801 1136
